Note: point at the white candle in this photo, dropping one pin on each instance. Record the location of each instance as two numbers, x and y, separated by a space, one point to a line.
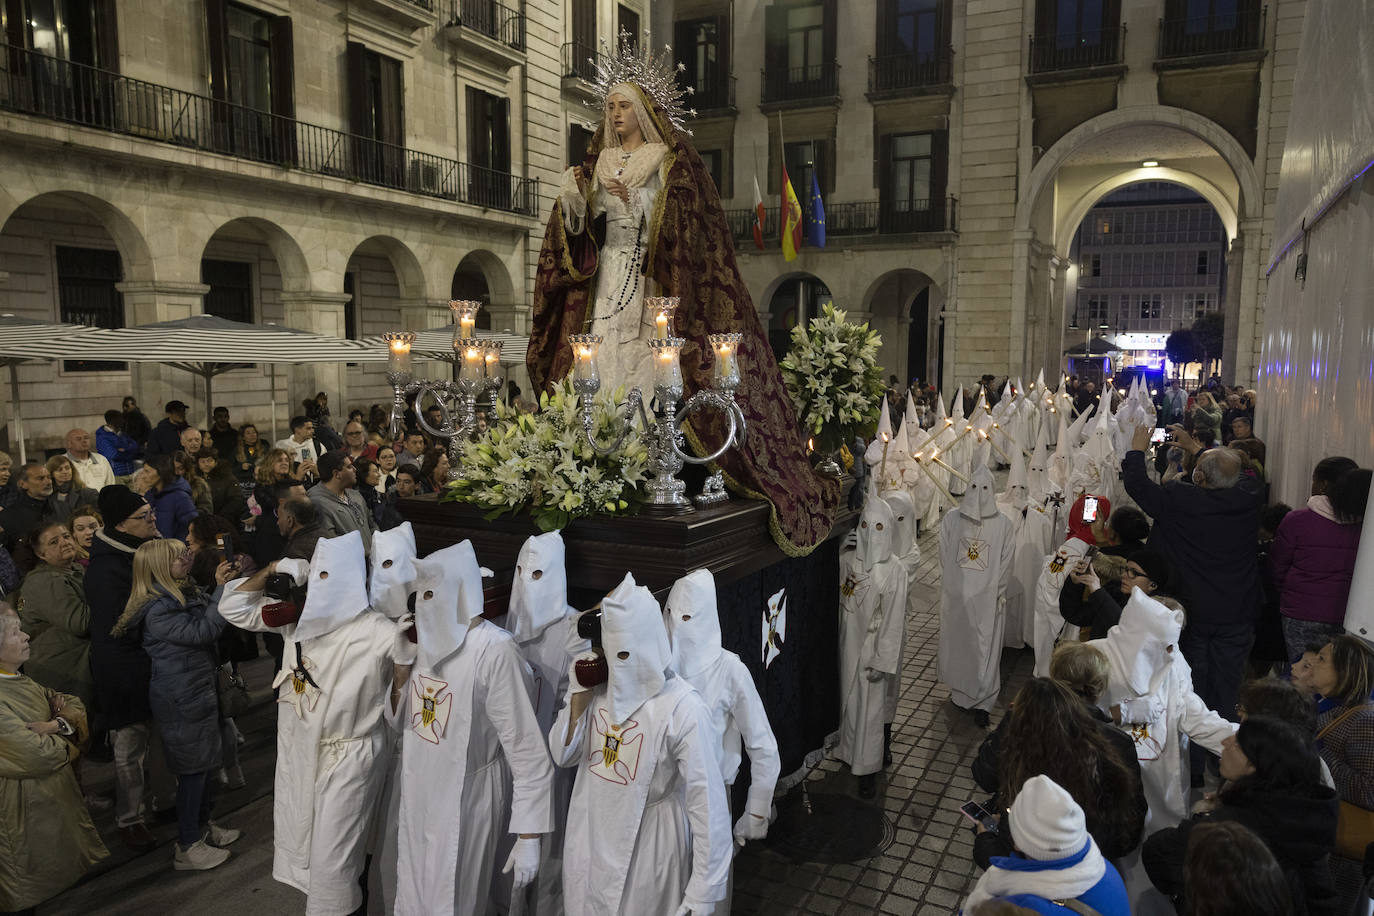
399 353
667 369
584 363
473 365
661 325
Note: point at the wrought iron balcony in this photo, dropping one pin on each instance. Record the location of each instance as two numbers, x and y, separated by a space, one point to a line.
1218 34
797 84
1060 51
497 21
715 93
580 60
849 220
48 87
895 72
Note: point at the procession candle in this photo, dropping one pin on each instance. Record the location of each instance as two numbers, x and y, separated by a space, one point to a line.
493 359
465 316
474 367
667 365
662 308
398 351
661 324
882 470
726 347
585 347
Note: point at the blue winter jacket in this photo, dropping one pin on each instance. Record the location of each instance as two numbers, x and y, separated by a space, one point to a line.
174 508
1107 896
120 450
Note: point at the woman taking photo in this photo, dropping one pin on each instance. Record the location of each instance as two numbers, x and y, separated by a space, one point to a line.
1206 416
180 626
83 525
68 491
248 453
1274 788
54 612
1102 775
169 495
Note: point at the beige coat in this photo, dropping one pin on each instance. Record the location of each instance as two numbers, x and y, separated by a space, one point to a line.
47 840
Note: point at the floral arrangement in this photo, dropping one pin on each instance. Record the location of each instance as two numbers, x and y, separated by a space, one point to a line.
541 463
833 376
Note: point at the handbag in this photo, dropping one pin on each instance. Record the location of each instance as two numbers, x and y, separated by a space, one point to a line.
233 693
1355 825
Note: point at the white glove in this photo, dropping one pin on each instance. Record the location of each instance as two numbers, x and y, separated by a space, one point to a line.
750 827
873 675
403 651
523 863
690 907
298 570
1141 710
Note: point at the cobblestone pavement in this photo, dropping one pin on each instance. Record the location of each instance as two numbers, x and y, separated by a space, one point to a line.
927 867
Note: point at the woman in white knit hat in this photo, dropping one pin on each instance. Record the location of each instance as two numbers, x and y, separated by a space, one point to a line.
1055 859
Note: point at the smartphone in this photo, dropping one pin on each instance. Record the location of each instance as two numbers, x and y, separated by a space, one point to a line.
1091 552
1158 435
979 815
225 544
1089 509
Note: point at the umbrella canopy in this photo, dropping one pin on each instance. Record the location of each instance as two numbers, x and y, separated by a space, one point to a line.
209 346
29 340
1100 346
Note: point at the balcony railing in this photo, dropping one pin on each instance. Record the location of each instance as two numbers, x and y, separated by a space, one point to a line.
1242 30
497 21
851 219
715 93
819 81
422 4
48 87
910 71
579 60
1077 50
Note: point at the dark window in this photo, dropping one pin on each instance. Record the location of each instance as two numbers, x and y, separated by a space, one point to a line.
701 48
583 38
86 295
805 158
250 58
579 139
231 289
628 22
489 182
1212 15
913 174
714 160
916 28
1202 263
351 307
252 68
66 29
799 51
912 159
1097 265
1075 33
376 115
1099 307
806 40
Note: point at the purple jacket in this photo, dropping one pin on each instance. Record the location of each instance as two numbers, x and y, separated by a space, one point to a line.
1312 561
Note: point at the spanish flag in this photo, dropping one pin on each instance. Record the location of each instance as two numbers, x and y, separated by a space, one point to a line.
792 219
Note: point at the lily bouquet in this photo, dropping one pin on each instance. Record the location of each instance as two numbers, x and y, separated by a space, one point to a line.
541 463
833 376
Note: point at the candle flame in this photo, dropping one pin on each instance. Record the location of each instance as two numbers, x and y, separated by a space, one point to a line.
884 438
400 346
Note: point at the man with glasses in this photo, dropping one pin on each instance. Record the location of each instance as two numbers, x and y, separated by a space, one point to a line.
1084 602
119 665
355 442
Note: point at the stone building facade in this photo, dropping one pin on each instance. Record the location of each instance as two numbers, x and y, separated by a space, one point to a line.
959 145
338 166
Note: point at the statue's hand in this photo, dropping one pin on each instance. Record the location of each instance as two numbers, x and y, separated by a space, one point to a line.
617 187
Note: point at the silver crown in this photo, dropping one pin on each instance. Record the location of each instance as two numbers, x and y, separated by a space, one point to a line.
656 74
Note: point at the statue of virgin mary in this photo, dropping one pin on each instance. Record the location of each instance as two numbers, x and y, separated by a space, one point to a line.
641 216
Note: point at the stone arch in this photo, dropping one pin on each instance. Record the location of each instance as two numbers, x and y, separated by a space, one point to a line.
134 251
410 275
1067 225
1227 147
291 260
888 304
886 279
499 285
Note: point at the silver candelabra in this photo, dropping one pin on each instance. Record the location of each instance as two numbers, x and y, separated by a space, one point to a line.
479 371
662 432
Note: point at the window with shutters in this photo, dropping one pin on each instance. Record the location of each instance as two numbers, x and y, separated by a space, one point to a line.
377 116
489 181
66 37
913 189
87 295
252 72
799 51
627 22
702 46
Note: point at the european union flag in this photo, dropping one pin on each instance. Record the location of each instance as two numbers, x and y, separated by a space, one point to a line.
815 221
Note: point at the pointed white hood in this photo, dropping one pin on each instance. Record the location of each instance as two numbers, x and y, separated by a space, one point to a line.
1038 477
632 626
1040 380
539 591
448 598
940 412
1138 647
337 587
693 623
393 570
981 499
1017 492
957 408
877 525
904 520
873 456
910 420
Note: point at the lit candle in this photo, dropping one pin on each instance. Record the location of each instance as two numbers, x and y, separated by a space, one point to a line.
398 351
667 366
810 446
661 325
726 348
474 367
585 347
493 360
465 316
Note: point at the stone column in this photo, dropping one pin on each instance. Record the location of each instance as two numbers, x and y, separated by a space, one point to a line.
1243 267
319 312
154 384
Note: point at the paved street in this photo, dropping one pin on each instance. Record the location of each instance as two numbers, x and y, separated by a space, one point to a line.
922 865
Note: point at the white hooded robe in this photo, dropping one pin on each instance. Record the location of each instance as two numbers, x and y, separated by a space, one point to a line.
976 551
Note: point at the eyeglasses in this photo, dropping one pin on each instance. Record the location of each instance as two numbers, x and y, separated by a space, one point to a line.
1135 573
143 516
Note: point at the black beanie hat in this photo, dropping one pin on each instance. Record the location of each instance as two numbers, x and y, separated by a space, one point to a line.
1157 567
117 502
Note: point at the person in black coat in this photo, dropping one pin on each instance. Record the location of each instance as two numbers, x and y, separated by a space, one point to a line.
166 436
1102 773
136 425
1276 791
1085 602
119 665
